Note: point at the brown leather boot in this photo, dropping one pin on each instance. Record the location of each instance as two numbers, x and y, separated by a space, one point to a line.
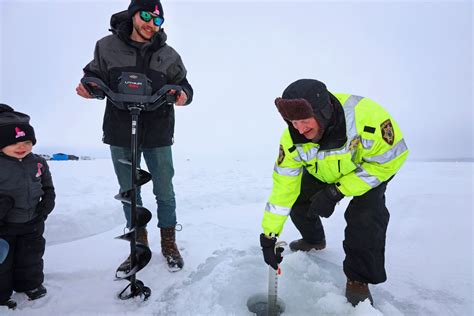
142 238
357 292
301 245
170 250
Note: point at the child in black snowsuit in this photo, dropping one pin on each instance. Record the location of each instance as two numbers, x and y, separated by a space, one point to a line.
26 199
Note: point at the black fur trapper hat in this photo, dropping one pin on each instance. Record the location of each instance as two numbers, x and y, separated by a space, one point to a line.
305 98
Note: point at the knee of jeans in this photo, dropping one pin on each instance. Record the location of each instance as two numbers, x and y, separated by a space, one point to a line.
165 196
169 203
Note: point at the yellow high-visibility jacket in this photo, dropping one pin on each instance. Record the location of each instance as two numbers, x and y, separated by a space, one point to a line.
375 150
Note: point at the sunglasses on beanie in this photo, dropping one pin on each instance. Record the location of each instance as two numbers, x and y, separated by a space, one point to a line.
147 16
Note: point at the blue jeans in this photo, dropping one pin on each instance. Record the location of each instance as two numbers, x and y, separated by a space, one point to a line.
159 161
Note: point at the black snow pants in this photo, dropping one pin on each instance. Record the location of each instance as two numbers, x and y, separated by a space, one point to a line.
22 270
367 220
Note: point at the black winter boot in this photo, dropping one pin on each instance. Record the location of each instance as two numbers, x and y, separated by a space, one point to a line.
11 304
170 250
37 293
301 245
357 292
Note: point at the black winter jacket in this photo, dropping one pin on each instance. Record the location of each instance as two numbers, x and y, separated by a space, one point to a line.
117 53
28 181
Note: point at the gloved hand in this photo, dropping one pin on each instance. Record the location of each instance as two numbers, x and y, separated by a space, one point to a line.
324 201
271 255
45 207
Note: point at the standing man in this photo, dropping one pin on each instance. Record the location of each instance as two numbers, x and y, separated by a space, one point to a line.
335 146
138 44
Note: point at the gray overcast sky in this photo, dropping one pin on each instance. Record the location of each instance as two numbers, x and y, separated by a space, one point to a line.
415 59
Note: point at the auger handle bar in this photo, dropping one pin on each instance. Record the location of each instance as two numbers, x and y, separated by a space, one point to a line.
123 101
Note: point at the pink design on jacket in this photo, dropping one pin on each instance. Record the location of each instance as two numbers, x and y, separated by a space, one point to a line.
39 172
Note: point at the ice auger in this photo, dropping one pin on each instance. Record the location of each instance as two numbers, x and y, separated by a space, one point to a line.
135 95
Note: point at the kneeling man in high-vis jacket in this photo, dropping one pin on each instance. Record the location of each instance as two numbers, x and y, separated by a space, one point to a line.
335 146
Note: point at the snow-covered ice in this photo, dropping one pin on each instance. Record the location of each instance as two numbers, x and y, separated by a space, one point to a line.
428 256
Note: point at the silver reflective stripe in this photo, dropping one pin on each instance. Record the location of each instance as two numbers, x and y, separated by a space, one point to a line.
367 143
279 210
389 155
291 172
371 180
349 113
320 155
307 156
352 101
326 153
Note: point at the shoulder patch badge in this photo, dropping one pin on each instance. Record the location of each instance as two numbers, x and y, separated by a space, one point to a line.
388 134
281 155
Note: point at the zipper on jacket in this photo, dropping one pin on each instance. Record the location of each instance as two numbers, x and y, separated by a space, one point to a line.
339 165
28 184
